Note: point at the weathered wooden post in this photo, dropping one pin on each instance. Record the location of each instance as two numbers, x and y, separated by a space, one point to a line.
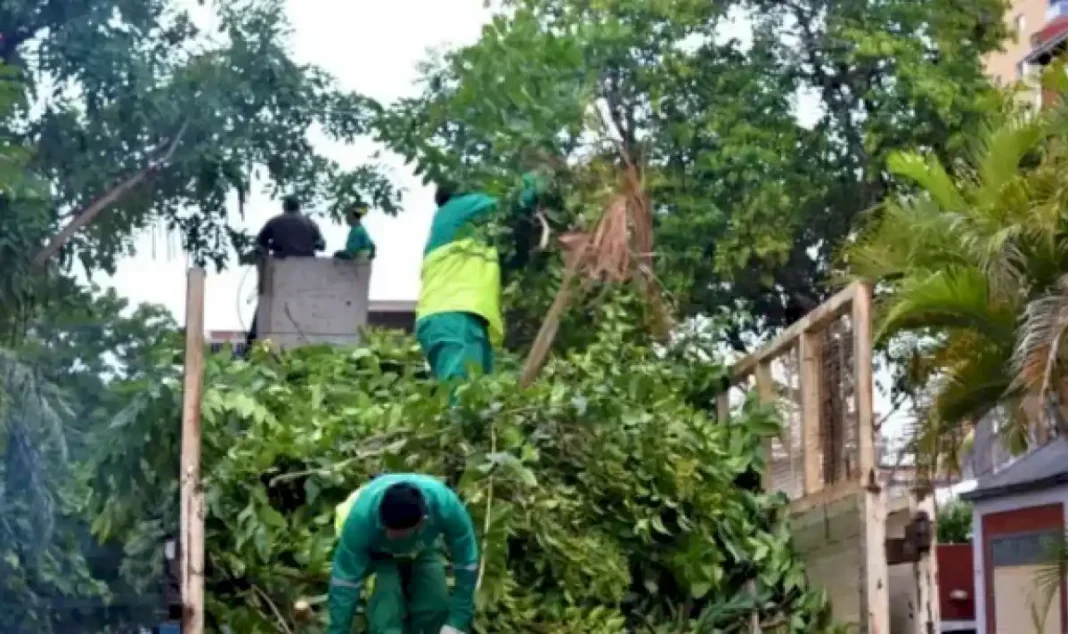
192 494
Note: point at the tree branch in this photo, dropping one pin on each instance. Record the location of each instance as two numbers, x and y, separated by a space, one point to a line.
87 215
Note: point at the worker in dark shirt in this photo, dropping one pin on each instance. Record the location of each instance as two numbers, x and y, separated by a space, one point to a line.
290 234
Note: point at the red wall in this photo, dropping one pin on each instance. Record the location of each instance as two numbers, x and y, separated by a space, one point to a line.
1032 518
956 572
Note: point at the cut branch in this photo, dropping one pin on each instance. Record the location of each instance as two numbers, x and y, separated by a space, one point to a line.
87 215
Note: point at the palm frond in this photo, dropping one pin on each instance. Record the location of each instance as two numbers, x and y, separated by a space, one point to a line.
1002 147
1039 339
973 385
1052 572
952 299
32 420
931 176
907 234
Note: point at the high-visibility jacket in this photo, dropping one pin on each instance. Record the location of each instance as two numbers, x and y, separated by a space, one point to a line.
362 535
461 272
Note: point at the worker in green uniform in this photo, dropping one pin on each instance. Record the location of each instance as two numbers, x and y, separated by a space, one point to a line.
458 315
359 243
390 529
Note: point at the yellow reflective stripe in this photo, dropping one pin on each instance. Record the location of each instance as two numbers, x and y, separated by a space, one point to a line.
341 512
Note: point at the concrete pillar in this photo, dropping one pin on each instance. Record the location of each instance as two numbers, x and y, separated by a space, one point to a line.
313 301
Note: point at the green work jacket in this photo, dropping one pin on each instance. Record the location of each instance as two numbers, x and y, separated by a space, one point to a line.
362 535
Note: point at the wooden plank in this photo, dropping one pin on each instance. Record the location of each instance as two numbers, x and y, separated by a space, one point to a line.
811 451
766 392
821 316
863 376
928 616
192 494
875 579
723 407
825 496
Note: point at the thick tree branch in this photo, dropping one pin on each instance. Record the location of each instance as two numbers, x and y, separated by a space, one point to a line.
87 215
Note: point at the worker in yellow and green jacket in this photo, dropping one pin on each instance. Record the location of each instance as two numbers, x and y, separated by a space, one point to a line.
391 529
359 243
458 315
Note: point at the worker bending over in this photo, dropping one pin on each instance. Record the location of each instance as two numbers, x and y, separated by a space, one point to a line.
390 528
458 315
359 243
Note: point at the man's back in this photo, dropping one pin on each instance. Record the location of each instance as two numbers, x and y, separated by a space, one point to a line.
291 234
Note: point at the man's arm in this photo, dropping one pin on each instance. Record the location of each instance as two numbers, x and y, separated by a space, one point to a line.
320 243
346 578
266 235
463 551
534 186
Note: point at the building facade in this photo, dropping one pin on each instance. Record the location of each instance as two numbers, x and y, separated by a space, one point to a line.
1025 18
1039 33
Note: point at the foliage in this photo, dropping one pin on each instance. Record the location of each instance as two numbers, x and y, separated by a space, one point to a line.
750 202
614 503
56 398
973 263
117 82
955 523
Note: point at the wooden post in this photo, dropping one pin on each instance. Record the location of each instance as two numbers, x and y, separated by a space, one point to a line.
192 494
863 371
875 576
766 393
723 407
812 452
875 580
927 615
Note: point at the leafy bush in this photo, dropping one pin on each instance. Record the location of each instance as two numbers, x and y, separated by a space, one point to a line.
955 523
606 502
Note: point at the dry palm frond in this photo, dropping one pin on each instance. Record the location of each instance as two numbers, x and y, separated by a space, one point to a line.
1036 359
618 249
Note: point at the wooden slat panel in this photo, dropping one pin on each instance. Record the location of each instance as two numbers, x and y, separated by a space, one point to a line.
766 393
816 319
811 450
863 375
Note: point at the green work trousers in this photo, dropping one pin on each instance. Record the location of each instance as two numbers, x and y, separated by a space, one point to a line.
409 596
453 342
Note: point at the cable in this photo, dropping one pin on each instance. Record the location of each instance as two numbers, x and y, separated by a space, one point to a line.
240 286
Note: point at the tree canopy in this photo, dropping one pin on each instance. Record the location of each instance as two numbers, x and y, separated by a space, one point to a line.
751 202
117 90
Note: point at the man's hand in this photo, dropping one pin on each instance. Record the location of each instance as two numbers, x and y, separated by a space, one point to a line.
448 629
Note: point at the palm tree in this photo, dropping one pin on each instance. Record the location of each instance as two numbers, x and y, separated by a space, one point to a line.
975 265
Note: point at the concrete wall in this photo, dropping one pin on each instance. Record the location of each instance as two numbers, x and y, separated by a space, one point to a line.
313 300
830 539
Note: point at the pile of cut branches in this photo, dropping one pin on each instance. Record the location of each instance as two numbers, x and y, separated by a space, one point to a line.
616 506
